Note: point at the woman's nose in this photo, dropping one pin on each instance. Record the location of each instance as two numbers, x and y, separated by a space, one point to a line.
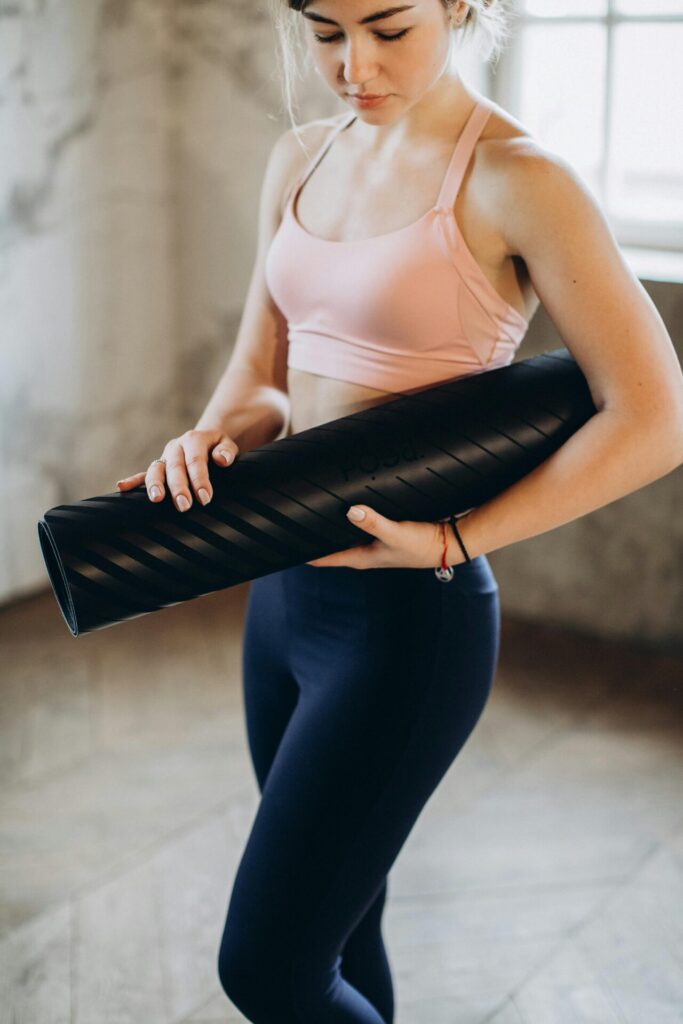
359 65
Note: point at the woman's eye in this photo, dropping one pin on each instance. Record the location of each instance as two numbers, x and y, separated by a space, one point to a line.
380 35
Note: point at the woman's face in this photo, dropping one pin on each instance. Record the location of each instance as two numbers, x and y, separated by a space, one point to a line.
356 58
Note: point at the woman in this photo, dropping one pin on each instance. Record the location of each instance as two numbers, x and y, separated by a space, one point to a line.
362 687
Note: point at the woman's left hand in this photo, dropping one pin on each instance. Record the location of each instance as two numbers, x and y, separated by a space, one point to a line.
397 545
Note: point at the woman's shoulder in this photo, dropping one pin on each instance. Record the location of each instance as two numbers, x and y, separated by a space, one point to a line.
310 136
513 162
306 138
298 145
506 144
503 131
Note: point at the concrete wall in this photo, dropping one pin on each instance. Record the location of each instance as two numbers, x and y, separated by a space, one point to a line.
88 277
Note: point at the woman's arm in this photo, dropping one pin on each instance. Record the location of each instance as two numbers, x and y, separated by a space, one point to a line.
610 325
610 456
242 405
612 328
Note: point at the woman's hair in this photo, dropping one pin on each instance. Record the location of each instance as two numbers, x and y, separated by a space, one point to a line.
487 21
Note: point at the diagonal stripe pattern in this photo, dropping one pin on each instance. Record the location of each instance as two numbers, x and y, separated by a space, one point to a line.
421 456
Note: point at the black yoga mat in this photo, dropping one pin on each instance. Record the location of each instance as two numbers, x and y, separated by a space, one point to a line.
421 456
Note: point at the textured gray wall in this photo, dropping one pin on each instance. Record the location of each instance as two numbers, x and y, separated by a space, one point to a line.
616 572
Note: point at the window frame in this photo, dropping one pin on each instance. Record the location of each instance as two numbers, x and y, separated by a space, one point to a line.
505 89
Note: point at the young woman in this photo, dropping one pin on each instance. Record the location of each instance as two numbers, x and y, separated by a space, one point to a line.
412 247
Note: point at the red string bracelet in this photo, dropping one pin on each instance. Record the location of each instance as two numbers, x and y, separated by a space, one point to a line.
444 572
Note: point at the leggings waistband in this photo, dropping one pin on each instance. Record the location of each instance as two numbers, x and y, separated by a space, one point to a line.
472 577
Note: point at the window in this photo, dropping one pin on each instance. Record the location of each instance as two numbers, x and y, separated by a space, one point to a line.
600 83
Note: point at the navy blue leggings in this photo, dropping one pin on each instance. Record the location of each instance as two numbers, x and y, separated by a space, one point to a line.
360 688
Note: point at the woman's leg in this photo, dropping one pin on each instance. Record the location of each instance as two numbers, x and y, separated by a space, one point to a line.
365 964
270 696
394 669
270 690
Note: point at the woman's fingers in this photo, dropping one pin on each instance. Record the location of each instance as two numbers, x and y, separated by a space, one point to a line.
130 481
186 468
195 445
225 451
155 477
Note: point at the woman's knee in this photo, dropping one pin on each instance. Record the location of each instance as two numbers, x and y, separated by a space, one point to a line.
254 978
241 984
278 981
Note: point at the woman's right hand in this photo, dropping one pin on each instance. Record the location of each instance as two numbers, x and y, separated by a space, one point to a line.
186 457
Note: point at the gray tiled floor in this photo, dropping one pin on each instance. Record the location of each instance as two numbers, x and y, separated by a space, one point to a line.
543 883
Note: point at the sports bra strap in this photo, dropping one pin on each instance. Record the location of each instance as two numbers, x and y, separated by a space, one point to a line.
456 168
461 156
311 166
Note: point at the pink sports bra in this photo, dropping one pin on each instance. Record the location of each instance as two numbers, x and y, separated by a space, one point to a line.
395 312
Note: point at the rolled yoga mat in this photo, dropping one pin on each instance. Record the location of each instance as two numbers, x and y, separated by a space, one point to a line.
421 456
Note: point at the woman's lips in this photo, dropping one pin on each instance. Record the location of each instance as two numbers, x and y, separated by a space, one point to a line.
370 101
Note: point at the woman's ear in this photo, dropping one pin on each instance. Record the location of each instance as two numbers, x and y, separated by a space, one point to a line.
461 12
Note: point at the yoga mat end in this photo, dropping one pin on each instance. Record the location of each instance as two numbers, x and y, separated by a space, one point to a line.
57 575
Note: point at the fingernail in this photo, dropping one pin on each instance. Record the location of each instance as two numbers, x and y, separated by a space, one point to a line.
356 513
155 492
227 456
182 503
203 495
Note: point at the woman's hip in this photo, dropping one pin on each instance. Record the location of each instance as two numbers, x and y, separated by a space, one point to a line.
337 621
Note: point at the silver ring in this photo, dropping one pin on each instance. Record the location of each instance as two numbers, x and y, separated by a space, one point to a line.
158 460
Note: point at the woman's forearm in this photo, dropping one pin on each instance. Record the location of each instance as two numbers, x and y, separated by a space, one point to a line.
250 412
610 456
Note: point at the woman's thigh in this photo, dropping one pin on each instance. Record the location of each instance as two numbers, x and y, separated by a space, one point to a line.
269 688
392 670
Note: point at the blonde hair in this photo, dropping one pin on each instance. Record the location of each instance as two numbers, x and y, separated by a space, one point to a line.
487 22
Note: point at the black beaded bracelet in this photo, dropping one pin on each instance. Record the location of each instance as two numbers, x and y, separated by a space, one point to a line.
451 520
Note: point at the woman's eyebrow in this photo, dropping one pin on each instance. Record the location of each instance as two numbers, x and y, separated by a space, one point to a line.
364 21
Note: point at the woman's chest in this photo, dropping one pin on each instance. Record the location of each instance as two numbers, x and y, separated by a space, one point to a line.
385 201
380 203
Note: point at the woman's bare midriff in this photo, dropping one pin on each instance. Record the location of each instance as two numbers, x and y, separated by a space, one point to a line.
316 399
